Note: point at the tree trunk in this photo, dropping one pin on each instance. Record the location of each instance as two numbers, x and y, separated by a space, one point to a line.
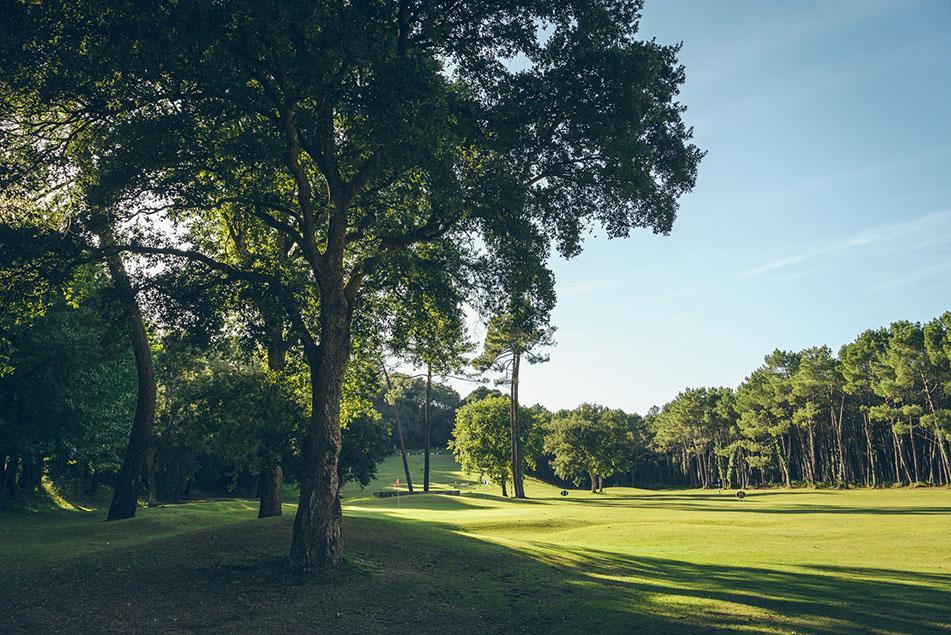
399 432
841 476
812 456
870 448
895 449
517 484
900 453
31 476
8 484
426 425
504 491
782 464
914 452
316 542
939 437
594 483
272 480
728 481
152 500
126 494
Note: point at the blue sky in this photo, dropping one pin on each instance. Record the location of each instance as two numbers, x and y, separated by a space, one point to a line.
823 206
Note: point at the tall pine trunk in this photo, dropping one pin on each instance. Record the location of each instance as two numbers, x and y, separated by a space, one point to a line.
399 432
914 452
870 448
427 426
811 455
518 486
938 434
129 482
783 466
841 475
271 479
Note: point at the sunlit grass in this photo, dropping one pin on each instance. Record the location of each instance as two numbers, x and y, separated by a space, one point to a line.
781 561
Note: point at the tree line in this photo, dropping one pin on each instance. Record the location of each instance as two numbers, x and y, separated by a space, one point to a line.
876 414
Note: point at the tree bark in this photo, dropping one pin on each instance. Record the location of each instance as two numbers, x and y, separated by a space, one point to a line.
316 542
426 425
126 494
272 479
152 500
399 432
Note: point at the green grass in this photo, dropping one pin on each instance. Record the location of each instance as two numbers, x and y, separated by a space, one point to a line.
661 561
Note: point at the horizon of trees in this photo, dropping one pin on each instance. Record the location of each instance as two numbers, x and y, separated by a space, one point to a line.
878 413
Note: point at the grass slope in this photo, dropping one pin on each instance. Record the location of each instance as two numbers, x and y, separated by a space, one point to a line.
665 561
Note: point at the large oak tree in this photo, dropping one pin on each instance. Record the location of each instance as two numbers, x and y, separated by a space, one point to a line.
362 132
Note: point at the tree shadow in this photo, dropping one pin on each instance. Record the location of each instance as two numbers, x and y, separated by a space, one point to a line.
504 499
810 598
748 505
409 576
438 502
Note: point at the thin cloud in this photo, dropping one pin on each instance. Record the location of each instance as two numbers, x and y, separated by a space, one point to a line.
931 223
912 277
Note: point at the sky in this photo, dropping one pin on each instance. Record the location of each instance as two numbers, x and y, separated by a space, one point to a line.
822 207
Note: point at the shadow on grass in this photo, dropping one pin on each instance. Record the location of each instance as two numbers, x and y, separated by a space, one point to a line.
434 501
440 502
407 576
682 503
812 598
